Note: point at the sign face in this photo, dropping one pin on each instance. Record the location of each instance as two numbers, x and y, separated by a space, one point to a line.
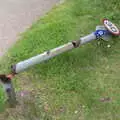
112 28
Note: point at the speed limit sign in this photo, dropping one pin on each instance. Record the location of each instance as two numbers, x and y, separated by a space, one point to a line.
112 28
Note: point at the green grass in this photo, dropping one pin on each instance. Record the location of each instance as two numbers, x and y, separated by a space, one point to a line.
72 84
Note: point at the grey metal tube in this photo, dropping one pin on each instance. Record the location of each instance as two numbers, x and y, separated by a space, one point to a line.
87 38
21 66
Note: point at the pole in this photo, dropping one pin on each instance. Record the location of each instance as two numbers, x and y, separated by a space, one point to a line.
21 66
103 32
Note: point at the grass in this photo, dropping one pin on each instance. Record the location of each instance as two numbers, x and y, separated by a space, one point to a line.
78 85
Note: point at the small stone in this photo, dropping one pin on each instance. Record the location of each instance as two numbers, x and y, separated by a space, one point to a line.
83 106
105 99
76 112
46 107
62 109
108 46
22 94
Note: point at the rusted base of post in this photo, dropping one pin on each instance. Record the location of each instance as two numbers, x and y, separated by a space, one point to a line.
11 96
8 87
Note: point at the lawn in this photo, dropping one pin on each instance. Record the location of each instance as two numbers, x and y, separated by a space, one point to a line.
82 84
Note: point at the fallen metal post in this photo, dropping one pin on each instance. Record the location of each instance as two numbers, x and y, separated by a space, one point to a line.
21 66
103 32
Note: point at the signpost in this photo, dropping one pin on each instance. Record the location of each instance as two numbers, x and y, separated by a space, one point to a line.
105 31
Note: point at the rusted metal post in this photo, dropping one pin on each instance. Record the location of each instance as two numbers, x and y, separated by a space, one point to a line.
9 89
21 66
101 32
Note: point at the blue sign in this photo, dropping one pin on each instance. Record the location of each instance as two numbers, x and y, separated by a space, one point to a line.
101 33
